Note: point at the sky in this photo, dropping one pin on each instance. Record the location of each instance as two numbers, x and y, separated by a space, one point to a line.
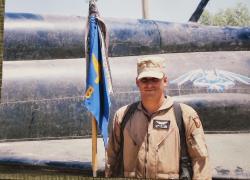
164 10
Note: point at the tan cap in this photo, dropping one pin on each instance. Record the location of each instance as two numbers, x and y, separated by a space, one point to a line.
150 66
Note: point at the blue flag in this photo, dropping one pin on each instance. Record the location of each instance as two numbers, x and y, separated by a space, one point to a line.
97 98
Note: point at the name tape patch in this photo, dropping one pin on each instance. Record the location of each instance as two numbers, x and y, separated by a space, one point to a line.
161 124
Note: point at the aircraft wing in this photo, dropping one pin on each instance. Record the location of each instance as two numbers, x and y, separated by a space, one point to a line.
228 152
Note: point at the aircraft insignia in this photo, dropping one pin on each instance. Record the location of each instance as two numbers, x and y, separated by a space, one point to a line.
214 80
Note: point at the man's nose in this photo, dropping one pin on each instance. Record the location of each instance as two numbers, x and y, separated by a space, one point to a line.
149 83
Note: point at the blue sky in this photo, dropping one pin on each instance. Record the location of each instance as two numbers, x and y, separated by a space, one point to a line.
165 10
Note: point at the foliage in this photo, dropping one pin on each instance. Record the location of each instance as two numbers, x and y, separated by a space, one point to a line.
237 16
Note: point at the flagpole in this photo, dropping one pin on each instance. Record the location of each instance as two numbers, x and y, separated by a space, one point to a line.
94 147
98 87
2 7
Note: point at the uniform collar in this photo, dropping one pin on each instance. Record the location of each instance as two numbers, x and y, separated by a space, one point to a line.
168 102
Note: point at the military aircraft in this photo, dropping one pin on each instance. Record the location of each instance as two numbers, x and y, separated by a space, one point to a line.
44 76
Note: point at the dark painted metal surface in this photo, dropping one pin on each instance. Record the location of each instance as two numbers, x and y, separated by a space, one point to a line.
32 36
199 10
43 98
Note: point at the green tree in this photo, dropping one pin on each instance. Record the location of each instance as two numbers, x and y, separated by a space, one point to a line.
206 18
238 16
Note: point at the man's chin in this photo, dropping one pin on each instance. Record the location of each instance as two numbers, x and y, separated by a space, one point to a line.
149 94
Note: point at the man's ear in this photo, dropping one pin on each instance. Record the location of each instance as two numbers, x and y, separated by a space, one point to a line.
137 81
165 80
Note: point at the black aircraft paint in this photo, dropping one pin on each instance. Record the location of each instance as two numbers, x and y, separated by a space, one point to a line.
42 90
43 98
31 36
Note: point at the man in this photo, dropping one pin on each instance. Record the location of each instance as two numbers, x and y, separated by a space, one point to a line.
151 142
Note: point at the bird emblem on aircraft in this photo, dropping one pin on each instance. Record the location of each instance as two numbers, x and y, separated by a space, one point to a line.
214 80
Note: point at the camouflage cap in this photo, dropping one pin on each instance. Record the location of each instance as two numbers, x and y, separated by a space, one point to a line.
150 66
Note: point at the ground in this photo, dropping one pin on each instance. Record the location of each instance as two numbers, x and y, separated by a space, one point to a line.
229 155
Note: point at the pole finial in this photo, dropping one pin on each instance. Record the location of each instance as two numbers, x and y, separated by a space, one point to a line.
93 11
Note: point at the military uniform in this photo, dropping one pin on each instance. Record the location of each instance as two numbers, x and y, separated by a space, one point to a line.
152 143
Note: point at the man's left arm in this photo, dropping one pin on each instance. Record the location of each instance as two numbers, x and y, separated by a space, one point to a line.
196 144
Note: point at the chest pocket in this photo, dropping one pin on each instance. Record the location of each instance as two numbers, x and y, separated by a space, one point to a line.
137 130
166 145
160 136
160 130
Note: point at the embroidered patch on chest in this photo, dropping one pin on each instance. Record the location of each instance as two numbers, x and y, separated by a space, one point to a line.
161 124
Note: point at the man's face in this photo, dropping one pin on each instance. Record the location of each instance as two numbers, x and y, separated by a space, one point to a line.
152 88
